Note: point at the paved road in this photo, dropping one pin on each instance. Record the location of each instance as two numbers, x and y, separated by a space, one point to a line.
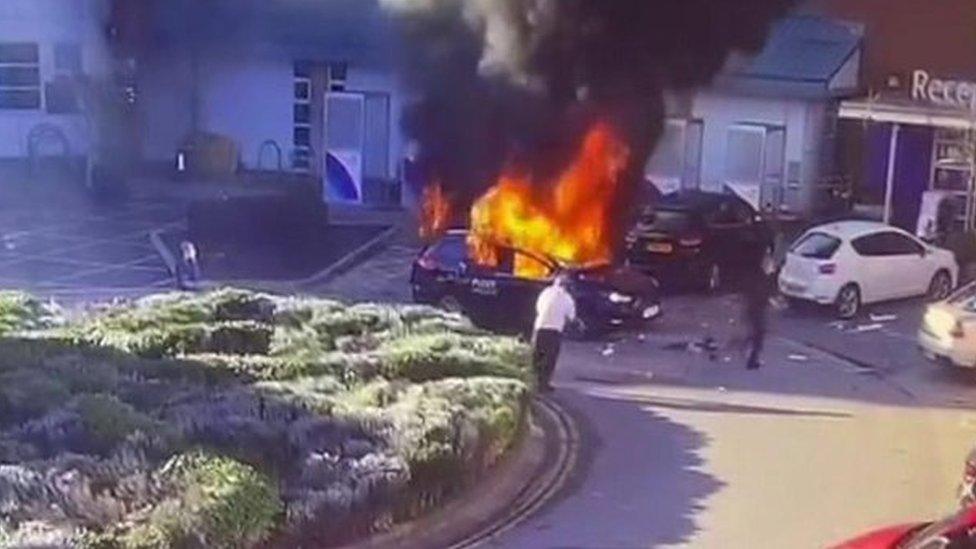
841 431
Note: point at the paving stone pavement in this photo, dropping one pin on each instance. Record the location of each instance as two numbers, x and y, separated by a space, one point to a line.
77 250
382 278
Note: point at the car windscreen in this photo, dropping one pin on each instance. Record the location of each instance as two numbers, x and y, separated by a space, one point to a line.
669 221
816 246
965 297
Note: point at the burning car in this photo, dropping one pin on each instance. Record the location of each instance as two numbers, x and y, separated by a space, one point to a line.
502 295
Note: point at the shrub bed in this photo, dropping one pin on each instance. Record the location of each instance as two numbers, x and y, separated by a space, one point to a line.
237 419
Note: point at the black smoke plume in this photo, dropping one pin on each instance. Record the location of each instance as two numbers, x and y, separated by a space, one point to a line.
504 80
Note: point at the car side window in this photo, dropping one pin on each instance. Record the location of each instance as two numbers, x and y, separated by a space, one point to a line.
450 252
886 244
723 215
869 246
743 213
900 244
532 267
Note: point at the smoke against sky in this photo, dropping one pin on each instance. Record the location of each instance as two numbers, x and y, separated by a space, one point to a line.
504 81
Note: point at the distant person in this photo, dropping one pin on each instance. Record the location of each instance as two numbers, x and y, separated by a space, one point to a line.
187 266
553 309
757 289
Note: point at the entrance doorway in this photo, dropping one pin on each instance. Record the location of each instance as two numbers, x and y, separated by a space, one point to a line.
754 162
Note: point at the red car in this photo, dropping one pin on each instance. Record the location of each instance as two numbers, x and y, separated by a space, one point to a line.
955 532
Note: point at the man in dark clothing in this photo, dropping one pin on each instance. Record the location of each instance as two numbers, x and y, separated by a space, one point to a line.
757 288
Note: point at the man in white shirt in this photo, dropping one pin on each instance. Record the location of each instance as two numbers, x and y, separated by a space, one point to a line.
553 309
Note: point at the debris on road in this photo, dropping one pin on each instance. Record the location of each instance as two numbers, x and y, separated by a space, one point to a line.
608 350
868 328
838 325
799 357
883 318
722 389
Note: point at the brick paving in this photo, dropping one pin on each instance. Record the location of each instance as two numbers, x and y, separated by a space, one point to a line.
382 278
74 249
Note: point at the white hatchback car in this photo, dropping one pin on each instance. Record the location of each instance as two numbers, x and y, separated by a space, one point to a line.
948 332
850 263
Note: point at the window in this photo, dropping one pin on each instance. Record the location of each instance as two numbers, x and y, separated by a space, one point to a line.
449 252
531 267
301 153
726 214
303 113
744 154
886 244
302 136
898 244
670 221
869 246
816 246
20 76
743 213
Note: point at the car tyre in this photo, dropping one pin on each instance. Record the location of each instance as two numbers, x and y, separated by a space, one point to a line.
848 303
940 287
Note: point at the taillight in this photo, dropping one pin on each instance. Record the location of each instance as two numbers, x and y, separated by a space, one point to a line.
957 331
427 262
827 269
690 242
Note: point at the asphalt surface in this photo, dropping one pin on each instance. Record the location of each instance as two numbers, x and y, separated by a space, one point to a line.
840 432
845 428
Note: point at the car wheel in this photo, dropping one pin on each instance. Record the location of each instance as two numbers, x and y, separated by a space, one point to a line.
940 287
848 301
713 278
450 304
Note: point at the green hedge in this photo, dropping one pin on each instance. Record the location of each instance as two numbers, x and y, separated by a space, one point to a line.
332 411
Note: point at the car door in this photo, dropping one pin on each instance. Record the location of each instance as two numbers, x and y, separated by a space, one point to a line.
486 294
873 268
914 273
531 275
728 231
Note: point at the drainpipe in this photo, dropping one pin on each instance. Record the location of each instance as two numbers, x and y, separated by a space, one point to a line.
890 180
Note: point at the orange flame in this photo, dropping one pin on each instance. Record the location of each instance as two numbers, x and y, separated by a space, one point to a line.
435 211
569 219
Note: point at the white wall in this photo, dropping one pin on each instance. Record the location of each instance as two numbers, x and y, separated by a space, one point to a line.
249 99
48 22
165 105
719 112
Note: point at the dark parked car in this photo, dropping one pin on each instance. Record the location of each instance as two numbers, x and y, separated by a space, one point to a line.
607 297
955 532
699 238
